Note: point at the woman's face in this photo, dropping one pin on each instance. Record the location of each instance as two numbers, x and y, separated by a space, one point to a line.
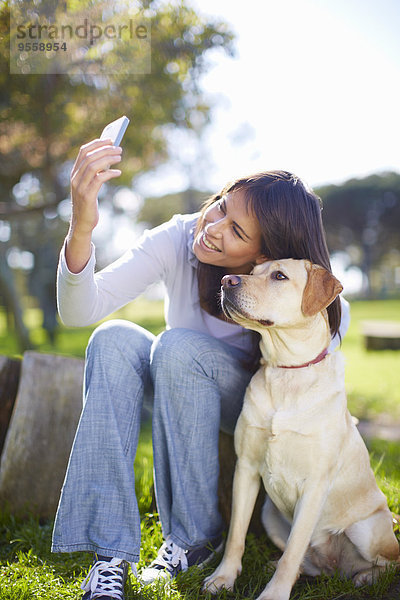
229 236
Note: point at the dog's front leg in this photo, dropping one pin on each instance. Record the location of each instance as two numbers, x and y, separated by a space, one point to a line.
307 513
246 483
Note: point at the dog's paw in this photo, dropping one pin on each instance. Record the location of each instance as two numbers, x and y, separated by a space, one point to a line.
275 592
215 584
366 577
221 578
270 595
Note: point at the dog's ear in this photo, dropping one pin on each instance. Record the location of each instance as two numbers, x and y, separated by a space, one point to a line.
320 291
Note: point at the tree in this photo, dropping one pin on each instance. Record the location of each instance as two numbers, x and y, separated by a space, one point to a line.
364 215
160 209
45 118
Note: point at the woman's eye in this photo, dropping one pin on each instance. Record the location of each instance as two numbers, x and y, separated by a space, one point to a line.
278 275
237 233
221 207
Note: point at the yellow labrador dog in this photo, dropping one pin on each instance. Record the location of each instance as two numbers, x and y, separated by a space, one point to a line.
324 509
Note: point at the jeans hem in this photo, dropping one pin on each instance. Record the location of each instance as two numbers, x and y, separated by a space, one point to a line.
84 547
185 546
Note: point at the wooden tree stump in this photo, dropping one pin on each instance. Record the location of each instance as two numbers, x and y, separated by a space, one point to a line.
41 433
10 369
227 462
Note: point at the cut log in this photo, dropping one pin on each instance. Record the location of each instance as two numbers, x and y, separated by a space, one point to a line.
9 377
41 433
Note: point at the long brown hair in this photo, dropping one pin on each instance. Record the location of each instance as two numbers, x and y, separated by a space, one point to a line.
289 215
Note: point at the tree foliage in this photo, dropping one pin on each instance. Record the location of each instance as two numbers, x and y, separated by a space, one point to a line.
159 210
45 118
362 217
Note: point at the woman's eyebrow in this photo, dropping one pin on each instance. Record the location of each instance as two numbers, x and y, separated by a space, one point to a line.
235 222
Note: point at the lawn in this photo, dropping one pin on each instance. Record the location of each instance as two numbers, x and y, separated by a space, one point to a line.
372 377
29 571
72 341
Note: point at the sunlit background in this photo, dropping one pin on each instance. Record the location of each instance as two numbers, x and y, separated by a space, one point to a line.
314 88
309 86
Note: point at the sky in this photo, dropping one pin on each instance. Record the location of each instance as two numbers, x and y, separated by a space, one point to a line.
314 89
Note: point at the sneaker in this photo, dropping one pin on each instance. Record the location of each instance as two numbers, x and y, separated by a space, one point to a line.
106 579
172 559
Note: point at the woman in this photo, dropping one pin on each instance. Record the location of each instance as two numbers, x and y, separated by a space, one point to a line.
193 375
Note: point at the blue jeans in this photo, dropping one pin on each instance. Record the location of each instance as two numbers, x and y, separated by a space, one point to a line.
195 385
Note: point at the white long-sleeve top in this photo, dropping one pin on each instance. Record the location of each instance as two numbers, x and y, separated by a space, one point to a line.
163 254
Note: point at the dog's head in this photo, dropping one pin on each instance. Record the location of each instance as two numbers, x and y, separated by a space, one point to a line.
279 293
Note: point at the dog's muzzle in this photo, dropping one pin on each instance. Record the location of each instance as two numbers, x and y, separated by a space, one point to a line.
236 304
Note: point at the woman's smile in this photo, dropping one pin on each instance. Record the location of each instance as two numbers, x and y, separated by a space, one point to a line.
208 243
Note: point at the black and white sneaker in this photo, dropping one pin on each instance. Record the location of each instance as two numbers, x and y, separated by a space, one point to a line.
172 559
106 579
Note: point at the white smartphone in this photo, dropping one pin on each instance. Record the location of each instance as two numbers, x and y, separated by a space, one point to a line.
115 130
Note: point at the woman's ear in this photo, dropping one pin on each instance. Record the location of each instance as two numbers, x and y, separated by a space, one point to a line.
260 259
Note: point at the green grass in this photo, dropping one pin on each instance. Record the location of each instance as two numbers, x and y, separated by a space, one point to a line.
29 571
72 341
372 377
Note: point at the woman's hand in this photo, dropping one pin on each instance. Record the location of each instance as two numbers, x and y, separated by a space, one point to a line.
90 171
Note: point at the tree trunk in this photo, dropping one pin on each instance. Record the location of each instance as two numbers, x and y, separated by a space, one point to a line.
12 301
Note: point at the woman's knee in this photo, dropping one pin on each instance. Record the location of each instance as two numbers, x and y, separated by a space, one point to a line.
118 335
117 363
177 346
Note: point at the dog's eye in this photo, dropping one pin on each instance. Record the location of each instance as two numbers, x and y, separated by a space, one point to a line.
278 275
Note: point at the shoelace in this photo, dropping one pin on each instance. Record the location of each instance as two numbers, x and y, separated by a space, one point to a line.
105 579
170 555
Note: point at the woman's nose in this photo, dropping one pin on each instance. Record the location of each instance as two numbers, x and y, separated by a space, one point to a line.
215 227
231 281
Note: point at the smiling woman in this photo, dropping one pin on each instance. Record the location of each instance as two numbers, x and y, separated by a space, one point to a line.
265 216
192 376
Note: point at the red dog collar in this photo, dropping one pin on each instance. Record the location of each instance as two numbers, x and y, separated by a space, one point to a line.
312 362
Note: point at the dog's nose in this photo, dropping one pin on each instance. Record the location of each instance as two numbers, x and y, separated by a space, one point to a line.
231 281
